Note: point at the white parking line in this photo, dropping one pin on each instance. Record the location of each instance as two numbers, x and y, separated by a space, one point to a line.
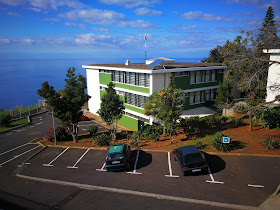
74 166
170 169
212 178
31 126
251 185
9 134
39 123
49 164
102 169
135 165
18 156
14 149
19 130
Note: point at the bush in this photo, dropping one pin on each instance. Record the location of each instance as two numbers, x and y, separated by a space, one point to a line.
154 137
102 140
217 142
61 134
5 118
190 125
200 145
270 143
92 129
237 121
240 108
270 118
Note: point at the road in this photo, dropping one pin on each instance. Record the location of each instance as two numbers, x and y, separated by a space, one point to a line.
236 180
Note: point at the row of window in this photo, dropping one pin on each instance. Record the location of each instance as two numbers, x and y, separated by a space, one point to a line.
132 78
137 117
204 76
202 96
130 98
135 100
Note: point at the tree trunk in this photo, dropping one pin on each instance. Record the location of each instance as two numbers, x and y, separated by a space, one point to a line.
74 132
113 132
250 121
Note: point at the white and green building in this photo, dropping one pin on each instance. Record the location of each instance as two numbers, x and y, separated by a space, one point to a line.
134 82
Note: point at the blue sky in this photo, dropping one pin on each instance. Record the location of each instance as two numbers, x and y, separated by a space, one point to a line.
115 28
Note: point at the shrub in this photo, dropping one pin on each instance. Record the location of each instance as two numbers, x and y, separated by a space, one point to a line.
102 140
200 145
237 121
240 108
61 134
5 118
270 143
217 143
190 125
154 137
92 129
134 142
270 118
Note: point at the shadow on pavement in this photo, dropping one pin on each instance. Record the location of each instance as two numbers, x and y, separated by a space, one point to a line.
215 163
144 159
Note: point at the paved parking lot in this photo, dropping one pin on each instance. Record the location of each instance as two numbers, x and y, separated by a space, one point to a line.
241 180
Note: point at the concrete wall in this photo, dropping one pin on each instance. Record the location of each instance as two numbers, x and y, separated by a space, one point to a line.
273 78
93 90
160 81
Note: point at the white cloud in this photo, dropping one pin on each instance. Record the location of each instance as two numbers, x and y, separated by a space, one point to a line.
264 4
51 19
28 41
130 3
35 9
148 12
198 15
101 29
81 26
13 14
4 41
104 17
45 4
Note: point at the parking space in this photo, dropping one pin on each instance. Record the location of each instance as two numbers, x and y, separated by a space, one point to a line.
226 183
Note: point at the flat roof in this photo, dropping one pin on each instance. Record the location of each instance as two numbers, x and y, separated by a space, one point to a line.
159 67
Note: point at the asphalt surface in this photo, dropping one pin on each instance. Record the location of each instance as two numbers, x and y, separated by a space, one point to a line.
241 180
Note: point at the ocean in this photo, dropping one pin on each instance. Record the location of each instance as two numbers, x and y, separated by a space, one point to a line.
20 79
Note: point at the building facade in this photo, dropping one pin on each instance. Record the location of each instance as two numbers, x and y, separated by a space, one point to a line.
135 82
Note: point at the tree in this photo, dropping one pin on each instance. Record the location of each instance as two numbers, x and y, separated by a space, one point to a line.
111 108
214 56
67 107
5 118
166 105
224 98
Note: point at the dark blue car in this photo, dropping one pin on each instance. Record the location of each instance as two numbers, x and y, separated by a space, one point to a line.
190 159
118 157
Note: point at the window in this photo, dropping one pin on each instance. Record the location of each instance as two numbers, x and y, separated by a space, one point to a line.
147 80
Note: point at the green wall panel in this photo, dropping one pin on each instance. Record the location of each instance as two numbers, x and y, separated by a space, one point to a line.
134 88
104 78
132 108
129 123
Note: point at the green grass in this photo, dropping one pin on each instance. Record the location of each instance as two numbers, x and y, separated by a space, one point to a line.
24 109
15 123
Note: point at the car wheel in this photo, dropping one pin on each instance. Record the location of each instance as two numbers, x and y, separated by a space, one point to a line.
185 173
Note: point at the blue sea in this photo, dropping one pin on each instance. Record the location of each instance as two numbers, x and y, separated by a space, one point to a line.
20 79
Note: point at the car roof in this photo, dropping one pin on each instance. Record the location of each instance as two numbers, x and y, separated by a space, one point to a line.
116 148
189 149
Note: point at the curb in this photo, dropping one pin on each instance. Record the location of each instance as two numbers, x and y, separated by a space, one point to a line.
16 127
143 194
153 150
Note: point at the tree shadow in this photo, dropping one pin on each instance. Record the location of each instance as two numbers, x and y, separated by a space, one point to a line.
237 145
144 159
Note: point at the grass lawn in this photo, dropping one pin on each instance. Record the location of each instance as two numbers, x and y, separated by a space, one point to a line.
15 123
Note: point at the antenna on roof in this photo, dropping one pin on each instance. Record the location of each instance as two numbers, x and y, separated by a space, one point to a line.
145 37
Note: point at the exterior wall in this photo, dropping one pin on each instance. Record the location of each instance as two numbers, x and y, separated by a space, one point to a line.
93 90
273 78
160 81
129 123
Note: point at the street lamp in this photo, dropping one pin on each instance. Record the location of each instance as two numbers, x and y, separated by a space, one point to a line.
53 128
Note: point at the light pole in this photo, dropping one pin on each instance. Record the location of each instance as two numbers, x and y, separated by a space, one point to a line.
53 128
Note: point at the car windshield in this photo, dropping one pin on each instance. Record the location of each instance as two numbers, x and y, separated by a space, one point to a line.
115 156
193 158
116 149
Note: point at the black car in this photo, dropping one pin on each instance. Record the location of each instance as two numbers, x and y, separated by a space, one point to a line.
190 159
118 157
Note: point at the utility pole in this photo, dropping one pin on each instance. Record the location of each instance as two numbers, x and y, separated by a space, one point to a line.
145 37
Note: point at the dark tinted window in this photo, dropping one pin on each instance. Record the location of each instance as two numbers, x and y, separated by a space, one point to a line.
193 158
115 156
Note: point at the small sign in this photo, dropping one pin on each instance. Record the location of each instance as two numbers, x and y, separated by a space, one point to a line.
226 140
